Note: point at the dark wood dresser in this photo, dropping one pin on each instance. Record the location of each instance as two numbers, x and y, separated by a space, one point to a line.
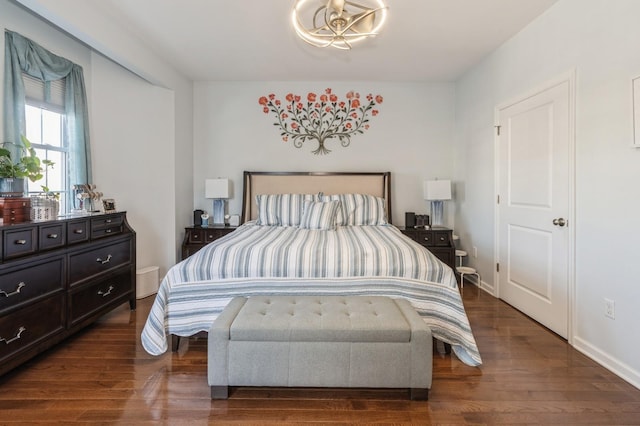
196 237
438 240
59 276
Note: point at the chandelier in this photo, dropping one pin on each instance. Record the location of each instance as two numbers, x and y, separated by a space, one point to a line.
337 23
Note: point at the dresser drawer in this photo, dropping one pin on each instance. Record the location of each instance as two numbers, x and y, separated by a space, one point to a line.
51 236
423 237
19 285
195 236
106 226
441 238
19 242
87 264
30 326
211 235
78 231
88 299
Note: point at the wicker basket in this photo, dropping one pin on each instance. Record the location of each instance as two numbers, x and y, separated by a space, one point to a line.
44 208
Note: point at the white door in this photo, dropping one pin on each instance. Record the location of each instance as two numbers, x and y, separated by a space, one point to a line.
534 188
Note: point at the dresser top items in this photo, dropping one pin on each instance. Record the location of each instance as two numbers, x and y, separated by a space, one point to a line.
28 238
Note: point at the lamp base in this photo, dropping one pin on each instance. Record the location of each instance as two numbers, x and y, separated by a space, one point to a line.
437 215
218 211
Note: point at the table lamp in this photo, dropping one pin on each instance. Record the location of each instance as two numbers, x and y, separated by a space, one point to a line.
218 190
437 191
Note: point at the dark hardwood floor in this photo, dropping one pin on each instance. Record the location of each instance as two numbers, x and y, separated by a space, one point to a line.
529 376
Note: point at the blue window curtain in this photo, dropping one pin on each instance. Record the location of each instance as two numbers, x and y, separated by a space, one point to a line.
23 55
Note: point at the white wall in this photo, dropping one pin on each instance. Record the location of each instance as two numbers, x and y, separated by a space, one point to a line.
411 137
596 38
132 130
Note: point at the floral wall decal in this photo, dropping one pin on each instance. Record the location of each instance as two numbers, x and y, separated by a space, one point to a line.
321 117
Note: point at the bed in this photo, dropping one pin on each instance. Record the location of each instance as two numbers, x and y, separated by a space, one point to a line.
309 233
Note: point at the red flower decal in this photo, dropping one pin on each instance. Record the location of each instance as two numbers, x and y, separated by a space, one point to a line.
323 117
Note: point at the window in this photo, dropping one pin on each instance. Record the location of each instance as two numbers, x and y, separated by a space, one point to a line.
44 119
50 109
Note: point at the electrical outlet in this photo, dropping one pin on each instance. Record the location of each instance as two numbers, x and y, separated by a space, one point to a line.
475 252
609 308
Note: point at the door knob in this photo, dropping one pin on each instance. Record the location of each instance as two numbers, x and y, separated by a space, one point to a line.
559 222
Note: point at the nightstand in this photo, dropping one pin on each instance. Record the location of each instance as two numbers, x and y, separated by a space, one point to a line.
438 240
196 237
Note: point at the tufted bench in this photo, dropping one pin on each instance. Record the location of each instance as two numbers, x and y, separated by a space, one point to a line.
320 341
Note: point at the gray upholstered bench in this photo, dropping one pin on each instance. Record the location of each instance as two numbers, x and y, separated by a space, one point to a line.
320 341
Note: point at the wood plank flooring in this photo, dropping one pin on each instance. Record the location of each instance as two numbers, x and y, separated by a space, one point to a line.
529 376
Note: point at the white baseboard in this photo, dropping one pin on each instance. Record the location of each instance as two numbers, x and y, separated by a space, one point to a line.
617 367
482 285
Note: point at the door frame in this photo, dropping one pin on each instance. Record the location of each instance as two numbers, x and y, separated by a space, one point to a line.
570 78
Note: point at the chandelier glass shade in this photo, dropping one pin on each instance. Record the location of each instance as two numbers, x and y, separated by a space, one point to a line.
337 23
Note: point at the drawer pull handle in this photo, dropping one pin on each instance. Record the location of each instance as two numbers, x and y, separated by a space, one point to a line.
103 294
78 231
107 221
108 231
52 236
16 337
12 212
107 260
21 242
13 293
441 238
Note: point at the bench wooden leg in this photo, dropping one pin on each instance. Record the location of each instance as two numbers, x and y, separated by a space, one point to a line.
175 343
419 394
219 392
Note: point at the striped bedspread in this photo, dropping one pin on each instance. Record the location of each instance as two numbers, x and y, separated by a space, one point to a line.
273 260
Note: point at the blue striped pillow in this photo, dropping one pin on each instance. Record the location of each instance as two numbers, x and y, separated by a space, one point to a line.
281 209
359 209
319 215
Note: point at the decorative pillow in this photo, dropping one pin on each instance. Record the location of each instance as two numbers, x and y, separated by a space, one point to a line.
359 209
319 215
281 209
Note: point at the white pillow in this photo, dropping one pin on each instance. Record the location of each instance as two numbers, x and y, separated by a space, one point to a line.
281 209
359 209
319 215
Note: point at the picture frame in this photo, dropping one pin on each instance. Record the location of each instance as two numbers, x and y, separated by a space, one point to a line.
635 90
108 204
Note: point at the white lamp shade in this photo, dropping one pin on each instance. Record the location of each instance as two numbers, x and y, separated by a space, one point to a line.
216 188
437 189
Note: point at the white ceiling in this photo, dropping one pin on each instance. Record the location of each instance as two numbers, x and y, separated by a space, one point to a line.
253 40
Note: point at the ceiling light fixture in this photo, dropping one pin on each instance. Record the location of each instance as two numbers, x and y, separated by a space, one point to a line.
338 23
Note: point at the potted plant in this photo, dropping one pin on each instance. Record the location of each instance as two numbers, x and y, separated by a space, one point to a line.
13 173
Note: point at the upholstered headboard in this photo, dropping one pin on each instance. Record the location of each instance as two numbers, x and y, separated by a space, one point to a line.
255 183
